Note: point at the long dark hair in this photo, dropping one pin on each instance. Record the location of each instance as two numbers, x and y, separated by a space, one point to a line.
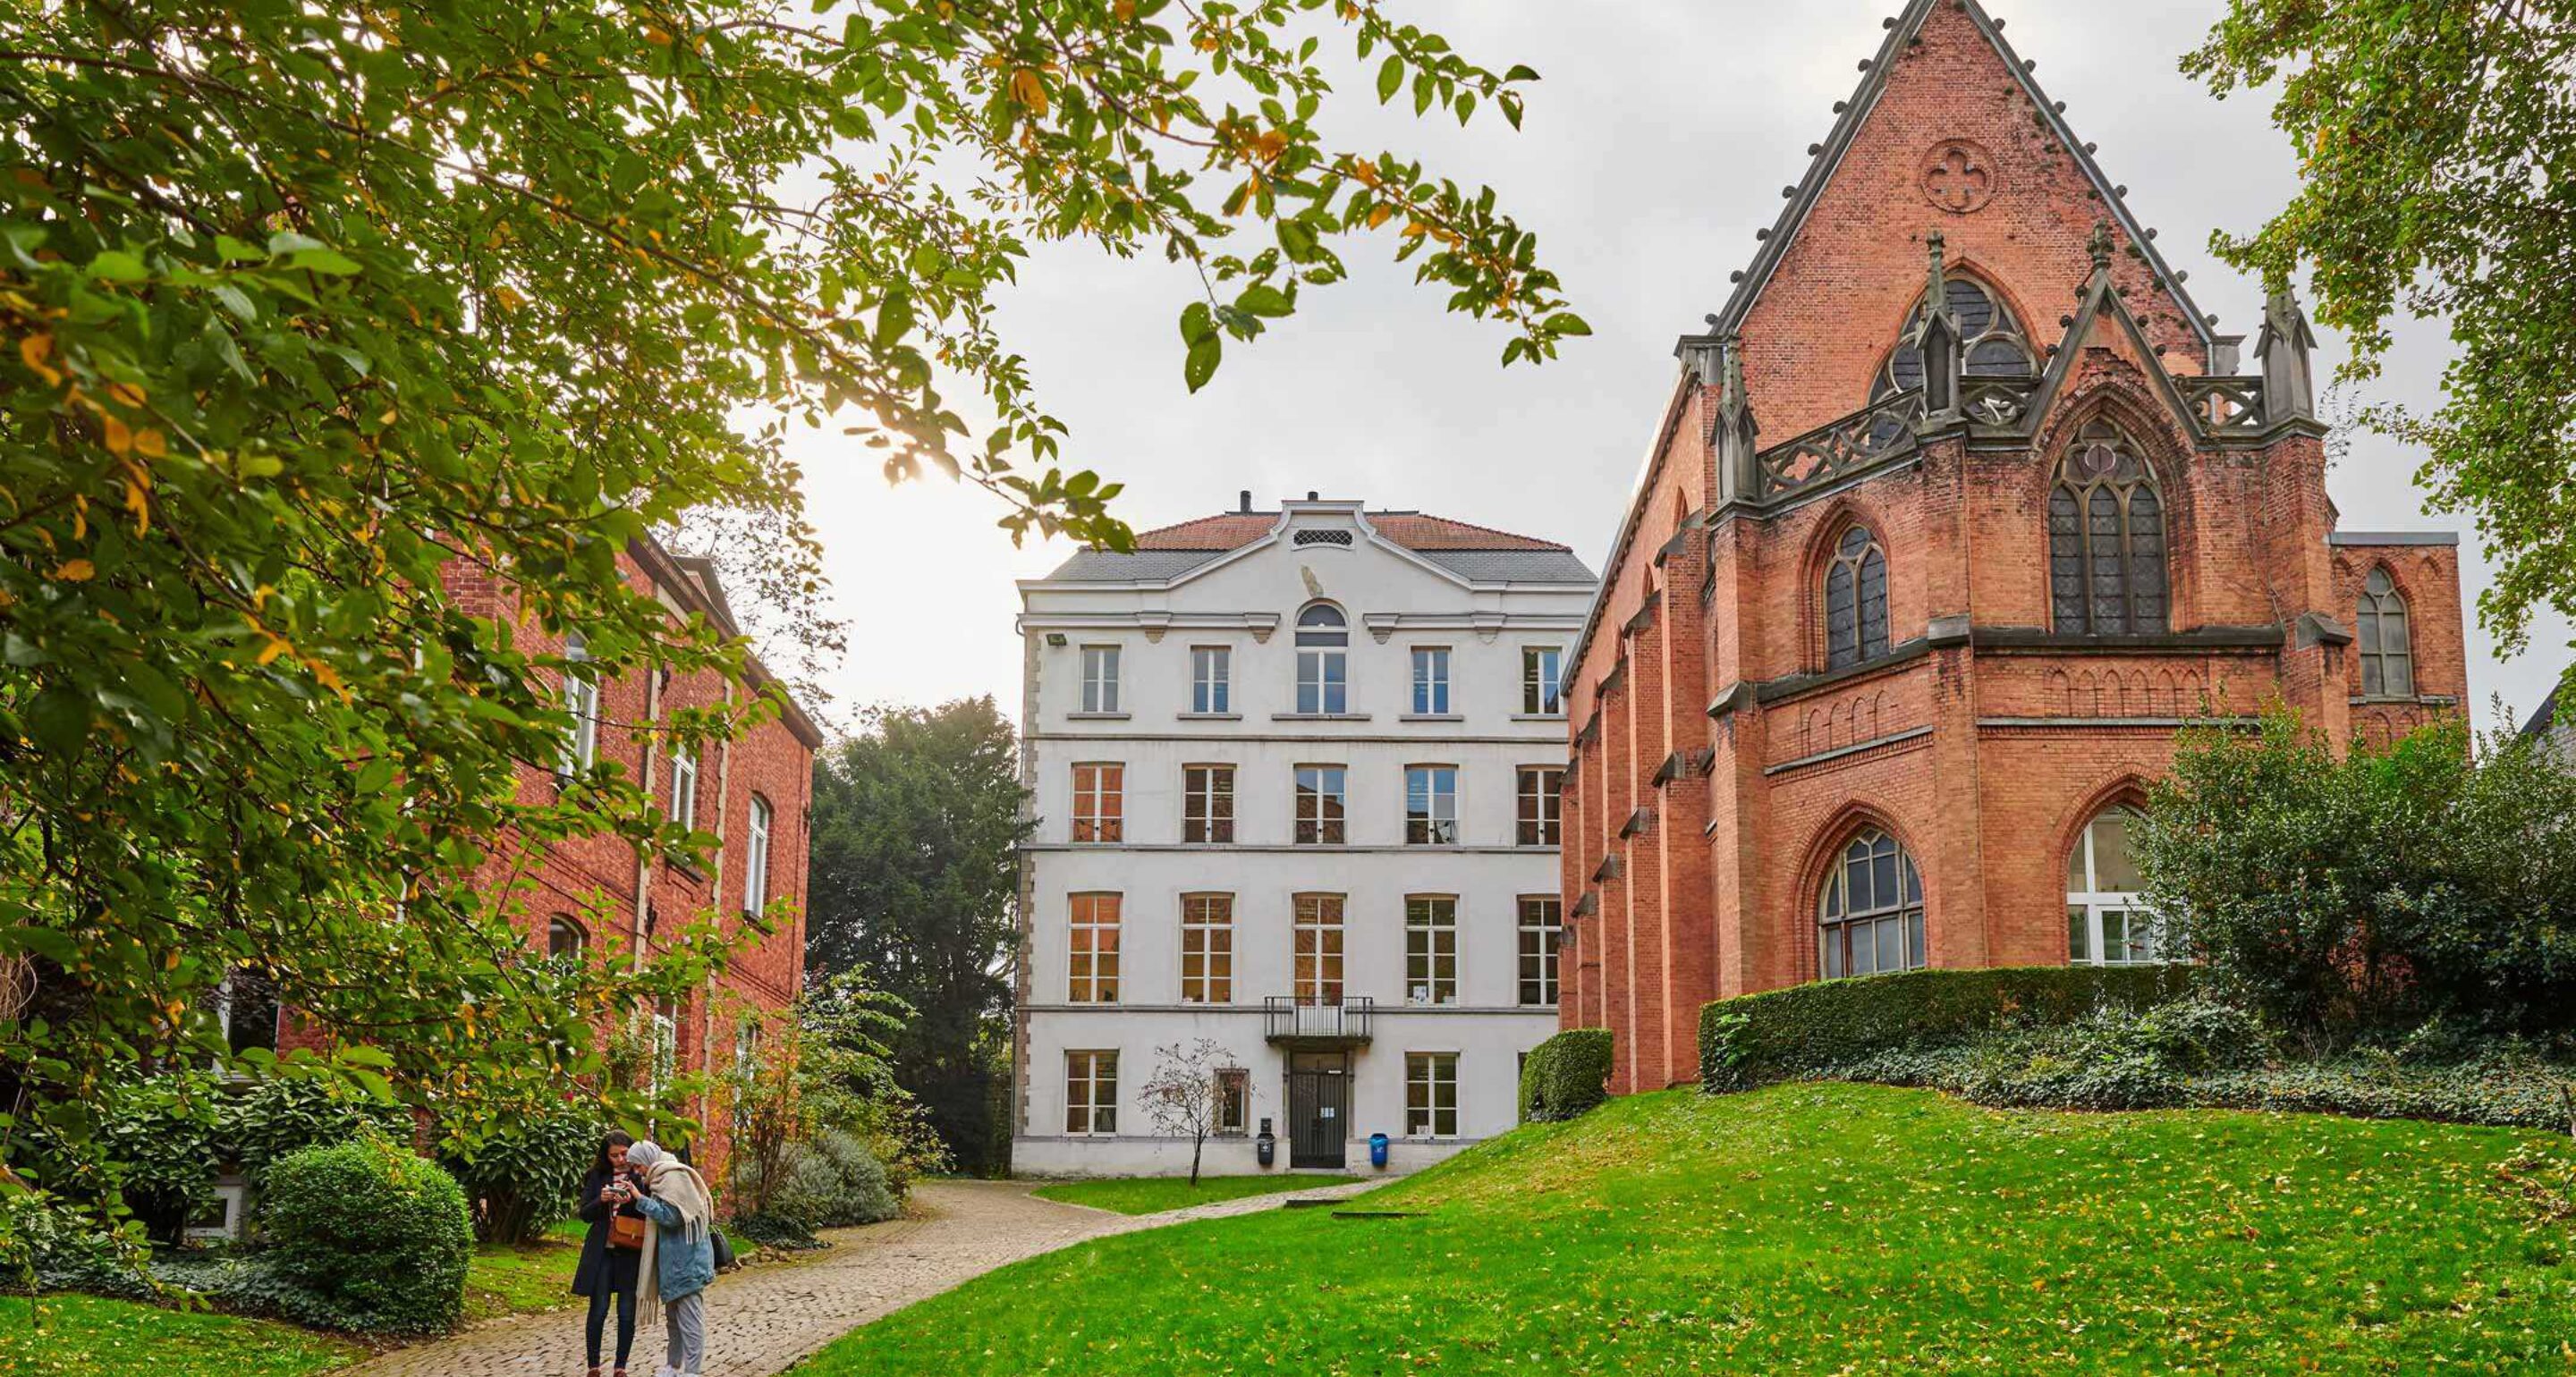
615 1137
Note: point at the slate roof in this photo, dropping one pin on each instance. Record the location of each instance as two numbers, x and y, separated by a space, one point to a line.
1474 552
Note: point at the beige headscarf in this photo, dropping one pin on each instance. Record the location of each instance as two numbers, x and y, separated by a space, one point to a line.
677 1184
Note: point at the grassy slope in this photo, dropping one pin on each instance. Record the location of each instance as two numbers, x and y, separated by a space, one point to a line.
1153 1195
86 1336
1823 1228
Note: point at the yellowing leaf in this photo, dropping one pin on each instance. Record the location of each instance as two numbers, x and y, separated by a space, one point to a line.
75 571
272 650
1029 89
120 437
151 444
33 351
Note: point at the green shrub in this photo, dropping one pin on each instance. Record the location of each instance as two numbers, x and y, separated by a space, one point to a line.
1782 1034
525 1178
371 1238
1566 1075
854 1188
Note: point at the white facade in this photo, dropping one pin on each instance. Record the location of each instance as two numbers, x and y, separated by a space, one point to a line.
1442 1019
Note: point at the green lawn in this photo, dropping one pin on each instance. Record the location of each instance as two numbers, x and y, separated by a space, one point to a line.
1823 1229
511 1280
1155 1194
86 1336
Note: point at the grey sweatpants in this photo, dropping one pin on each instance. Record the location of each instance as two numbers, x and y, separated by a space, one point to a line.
685 1320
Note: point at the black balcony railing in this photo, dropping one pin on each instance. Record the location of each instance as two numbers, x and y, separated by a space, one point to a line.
1295 1018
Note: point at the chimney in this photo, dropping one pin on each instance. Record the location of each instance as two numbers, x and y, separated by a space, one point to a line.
1310 495
1246 509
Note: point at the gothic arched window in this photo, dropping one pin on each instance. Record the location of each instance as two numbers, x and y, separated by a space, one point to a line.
1992 341
1855 600
2387 653
1869 920
2106 538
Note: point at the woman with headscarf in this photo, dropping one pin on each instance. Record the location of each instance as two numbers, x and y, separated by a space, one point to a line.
607 1271
679 1258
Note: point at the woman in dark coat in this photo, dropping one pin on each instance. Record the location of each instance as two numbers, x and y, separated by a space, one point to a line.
610 1189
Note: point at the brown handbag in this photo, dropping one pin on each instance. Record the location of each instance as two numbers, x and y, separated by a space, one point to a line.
625 1231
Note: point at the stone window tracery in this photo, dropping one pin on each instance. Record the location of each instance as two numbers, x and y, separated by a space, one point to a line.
2106 538
2387 651
1855 600
1993 343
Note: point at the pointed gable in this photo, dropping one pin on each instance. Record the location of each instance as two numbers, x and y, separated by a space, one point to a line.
1950 132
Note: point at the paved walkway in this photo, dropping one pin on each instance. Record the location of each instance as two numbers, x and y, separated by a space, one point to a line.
763 1319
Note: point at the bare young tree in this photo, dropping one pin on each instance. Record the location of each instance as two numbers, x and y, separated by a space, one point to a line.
1186 1097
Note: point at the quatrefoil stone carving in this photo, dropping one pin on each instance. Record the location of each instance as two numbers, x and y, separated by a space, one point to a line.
1959 177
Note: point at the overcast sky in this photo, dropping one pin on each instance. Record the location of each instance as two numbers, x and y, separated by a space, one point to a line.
1655 146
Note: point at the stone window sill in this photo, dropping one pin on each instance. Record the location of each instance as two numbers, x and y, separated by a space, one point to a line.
1319 717
1096 717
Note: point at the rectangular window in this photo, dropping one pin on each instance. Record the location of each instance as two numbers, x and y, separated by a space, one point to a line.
581 699
1207 948
1090 1093
1542 919
1431 805
1099 803
1211 679
1430 680
755 858
1100 678
1430 1094
1321 802
1540 695
684 785
1318 973
1233 1102
1091 958
1542 805
1323 680
1431 949
1207 803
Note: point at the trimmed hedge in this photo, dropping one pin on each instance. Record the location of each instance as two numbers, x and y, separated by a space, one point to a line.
1783 1034
372 1239
1566 1075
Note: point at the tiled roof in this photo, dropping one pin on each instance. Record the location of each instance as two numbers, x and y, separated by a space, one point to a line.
1412 530
1475 552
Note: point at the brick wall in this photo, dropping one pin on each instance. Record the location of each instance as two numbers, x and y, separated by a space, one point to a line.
1986 741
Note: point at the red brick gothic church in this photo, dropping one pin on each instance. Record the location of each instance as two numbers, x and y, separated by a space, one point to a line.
1958 510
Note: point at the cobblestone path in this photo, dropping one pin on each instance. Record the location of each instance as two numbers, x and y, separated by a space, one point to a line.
763 1319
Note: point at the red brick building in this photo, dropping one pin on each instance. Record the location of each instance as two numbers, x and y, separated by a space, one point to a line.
597 896
1958 510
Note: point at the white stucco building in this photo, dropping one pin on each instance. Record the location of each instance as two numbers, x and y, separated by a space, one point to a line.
1296 781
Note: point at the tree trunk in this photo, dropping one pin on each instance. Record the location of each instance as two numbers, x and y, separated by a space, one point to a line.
1198 1147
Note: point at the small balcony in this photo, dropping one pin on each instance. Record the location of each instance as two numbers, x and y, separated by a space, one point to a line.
1292 1021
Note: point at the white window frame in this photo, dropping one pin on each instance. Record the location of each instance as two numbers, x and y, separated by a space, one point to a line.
1107 829
1339 776
1207 933
1550 794
1084 1093
1091 965
1100 671
1439 817
1538 941
755 857
1431 681
1433 1073
684 785
1211 680
1199 793
1542 681
2092 912
581 699
1313 986
1430 942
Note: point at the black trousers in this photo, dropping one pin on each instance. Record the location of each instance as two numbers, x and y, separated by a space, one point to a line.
599 1320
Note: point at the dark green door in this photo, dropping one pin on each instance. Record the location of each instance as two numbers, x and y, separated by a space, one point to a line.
1319 1108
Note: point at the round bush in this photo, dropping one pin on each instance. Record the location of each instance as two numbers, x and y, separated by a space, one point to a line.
859 1193
373 1238
526 1178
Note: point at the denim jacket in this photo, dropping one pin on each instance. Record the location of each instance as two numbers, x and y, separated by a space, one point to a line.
683 1268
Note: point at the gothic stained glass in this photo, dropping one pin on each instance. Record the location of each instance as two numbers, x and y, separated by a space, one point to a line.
2387 652
2106 538
1993 341
1856 601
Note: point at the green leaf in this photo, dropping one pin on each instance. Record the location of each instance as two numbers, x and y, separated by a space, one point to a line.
1197 323
1202 361
116 265
1264 300
1390 79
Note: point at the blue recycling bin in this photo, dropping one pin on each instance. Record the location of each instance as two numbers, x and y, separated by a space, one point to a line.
1377 1151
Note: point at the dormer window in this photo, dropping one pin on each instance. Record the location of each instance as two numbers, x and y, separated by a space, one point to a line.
1995 344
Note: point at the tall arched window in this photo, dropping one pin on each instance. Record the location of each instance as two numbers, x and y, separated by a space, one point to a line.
2106 537
1869 919
581 699
1855 600
1323 660
2387 652
2107 923
564 937
1994 343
